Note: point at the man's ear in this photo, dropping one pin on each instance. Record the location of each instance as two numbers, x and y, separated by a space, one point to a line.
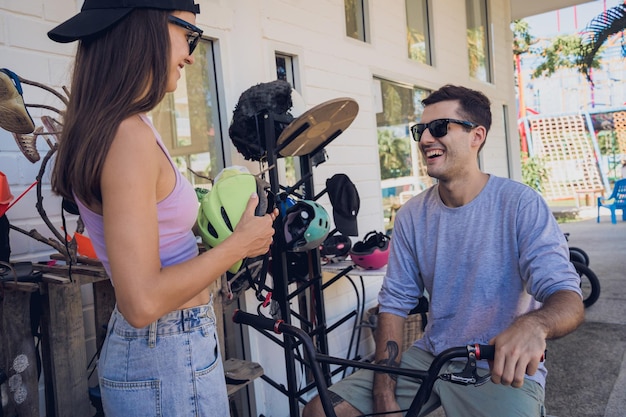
479 136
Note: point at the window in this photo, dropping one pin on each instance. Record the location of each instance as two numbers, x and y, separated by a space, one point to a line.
478 39
507 140
356 27
418 31
188 119
402 167
284 68
289 171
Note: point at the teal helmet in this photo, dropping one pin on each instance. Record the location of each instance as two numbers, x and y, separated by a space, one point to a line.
306 225
222 207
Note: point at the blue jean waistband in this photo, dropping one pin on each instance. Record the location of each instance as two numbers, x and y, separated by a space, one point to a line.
177 321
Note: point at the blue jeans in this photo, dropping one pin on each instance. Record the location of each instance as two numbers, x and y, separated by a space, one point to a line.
171 368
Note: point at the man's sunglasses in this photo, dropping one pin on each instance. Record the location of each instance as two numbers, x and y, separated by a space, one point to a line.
438 128
194 34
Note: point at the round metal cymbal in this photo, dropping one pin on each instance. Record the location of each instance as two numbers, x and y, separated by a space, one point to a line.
317 127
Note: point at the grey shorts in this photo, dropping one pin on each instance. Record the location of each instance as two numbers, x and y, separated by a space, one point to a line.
487 400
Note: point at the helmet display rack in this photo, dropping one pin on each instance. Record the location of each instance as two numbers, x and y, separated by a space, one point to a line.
315 325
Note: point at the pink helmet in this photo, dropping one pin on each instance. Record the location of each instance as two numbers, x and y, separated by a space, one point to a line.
372 252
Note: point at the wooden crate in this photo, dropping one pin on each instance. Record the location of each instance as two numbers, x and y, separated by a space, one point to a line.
18 361
64 354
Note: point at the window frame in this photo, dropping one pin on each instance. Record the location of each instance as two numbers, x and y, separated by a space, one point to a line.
426 20
361 20
487 50
289 170
200 144
417 179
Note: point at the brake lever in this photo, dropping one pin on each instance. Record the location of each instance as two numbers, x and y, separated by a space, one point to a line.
469 375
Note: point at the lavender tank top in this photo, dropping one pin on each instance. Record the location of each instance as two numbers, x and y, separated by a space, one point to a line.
177 214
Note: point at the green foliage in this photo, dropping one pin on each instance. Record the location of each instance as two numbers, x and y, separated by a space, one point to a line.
605 25
534 172
476 44
394 155
417 45
607 142
392 104
562 53
522 39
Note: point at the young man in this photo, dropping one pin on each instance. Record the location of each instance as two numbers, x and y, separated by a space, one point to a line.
494 263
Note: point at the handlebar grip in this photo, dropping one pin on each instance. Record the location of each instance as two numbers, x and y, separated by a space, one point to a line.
486 352
258 322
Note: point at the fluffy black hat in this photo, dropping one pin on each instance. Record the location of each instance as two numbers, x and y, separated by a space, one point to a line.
245 130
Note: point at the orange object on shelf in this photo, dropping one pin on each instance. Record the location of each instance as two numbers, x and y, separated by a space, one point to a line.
5 194
84 247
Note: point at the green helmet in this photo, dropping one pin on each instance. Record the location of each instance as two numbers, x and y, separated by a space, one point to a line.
306 225
222 207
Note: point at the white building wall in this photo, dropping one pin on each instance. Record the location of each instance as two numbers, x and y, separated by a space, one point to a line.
247 34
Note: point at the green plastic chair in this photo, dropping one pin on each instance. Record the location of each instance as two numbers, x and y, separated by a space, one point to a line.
616 201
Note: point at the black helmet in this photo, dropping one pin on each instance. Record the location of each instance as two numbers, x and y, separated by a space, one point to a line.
335 248
245 130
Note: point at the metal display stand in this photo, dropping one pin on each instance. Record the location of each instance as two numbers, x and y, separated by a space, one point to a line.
315 326
304 138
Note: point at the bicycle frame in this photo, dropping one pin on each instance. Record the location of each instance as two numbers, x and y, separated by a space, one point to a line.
466 377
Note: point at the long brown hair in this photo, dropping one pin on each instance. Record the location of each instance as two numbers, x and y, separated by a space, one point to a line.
118 74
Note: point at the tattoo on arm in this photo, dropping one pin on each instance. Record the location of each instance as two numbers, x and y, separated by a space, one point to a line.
335 399
393 353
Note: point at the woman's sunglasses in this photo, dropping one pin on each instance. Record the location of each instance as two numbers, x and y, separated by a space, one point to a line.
194 34
438 128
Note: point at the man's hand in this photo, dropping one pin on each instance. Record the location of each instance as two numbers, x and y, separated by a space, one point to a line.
521 347
519 350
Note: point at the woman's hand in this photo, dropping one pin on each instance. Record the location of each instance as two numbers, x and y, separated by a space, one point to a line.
254 232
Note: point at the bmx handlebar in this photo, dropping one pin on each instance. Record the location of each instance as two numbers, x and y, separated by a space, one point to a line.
278 326
258 322
477 351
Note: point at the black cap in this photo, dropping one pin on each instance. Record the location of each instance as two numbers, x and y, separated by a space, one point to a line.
345 200
98 15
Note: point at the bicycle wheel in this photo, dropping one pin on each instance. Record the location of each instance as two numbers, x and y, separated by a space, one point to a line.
589 284
578 255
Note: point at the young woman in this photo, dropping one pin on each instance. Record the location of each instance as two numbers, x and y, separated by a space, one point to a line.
161 353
